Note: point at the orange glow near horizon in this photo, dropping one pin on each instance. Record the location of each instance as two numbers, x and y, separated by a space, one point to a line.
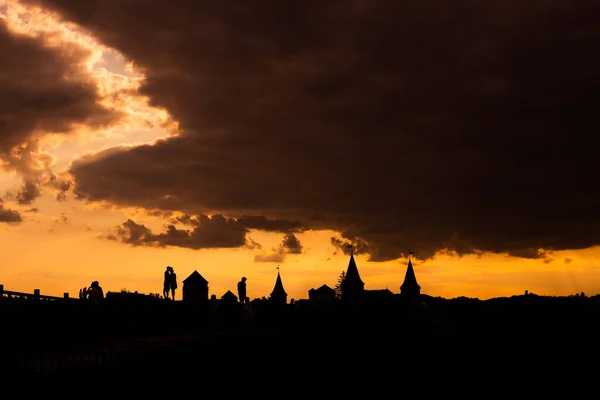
57 257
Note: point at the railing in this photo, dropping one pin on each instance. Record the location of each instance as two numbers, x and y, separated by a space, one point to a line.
9 294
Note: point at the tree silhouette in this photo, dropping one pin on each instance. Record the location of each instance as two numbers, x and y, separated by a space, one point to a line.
338 285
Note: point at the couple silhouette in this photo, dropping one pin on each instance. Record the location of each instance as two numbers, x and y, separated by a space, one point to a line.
170 283
94 293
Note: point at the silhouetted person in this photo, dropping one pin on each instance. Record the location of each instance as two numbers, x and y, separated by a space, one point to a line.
241 288
93 294
97 287
167 282
172 282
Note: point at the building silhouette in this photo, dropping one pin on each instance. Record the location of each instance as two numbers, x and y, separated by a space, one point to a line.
229 298
410 288
378 297
278 295
195 289
322 294
322 298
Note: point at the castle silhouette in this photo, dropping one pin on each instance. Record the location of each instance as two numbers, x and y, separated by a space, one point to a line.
352 290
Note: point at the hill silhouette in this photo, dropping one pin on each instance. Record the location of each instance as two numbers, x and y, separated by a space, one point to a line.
287 344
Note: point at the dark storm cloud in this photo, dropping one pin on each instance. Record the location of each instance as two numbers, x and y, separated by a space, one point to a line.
42 90
460 126
250 222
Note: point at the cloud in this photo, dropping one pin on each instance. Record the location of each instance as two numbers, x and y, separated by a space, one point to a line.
461 126
271 225
43 90
62 220
348 243
261 223
289 245
252 244
292 244
276 256
210 232
9 216
204 232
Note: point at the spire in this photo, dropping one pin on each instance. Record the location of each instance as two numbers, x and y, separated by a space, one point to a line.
352 286
352 274
278 292
410 285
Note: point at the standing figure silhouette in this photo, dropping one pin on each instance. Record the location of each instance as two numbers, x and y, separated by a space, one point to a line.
167 283
173 282
241 287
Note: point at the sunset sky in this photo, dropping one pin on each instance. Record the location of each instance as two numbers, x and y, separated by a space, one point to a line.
233 137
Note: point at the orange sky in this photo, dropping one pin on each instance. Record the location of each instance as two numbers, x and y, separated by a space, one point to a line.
57 256
61 247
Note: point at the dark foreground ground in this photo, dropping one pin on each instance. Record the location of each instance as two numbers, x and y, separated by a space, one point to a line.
425 359
513 348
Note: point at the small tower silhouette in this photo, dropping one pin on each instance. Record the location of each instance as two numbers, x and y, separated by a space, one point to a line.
352 287
410 288
278 295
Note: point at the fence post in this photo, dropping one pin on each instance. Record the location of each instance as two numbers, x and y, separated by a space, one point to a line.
36 294
66 295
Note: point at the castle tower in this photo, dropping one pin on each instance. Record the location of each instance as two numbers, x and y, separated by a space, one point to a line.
352 287
278 295
410 288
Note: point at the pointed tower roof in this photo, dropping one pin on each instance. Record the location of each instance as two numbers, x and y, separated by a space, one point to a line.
278 289
352 274
195 277
410 280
